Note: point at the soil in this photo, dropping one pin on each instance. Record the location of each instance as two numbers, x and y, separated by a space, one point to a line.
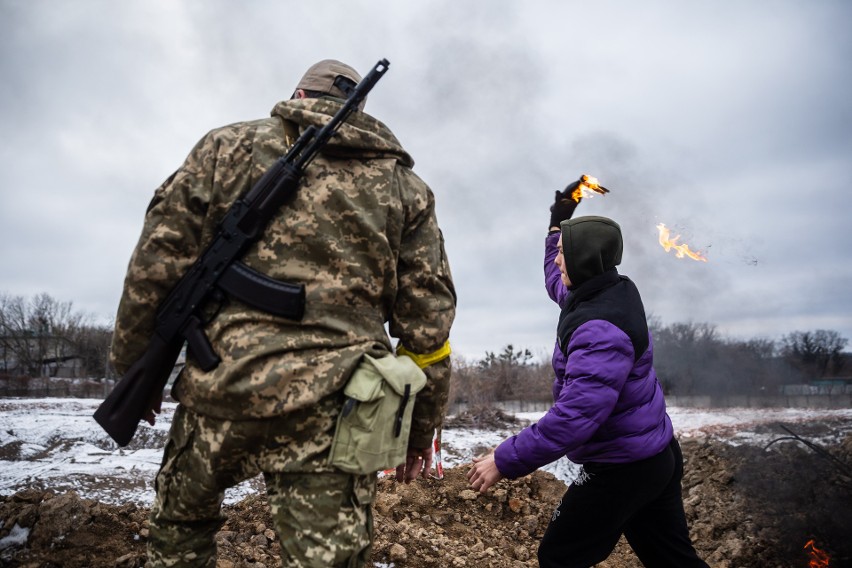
747 507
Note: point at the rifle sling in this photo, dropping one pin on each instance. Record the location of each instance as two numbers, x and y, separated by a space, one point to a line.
262 292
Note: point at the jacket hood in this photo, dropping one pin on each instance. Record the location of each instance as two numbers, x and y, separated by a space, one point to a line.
360 136
591 246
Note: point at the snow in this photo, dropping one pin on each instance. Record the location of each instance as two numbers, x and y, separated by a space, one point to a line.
17 537
54 443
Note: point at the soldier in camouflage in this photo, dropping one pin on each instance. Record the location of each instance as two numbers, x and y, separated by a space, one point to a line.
362 236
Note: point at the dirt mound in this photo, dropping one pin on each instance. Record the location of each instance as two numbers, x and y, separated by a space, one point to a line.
445 523
747 507
484 417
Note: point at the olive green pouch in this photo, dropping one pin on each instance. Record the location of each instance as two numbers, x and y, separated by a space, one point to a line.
373 427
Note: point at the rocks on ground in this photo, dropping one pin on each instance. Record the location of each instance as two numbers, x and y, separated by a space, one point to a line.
746 506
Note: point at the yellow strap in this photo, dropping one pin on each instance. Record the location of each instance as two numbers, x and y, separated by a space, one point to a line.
426 359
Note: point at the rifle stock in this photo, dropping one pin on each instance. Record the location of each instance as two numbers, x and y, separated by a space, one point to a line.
135 394
141 386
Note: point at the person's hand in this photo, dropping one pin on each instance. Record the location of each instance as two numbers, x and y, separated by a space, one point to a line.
154 408
484 473
417 462
564 204
567 200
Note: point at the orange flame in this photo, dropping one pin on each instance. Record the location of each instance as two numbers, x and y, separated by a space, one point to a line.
588 187
670 243
819 558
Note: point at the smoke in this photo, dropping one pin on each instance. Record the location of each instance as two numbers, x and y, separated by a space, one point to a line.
804 495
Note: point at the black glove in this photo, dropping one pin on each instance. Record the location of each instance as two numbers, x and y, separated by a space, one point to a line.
564 205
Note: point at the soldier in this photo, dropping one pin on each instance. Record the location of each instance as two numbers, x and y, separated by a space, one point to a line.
362 236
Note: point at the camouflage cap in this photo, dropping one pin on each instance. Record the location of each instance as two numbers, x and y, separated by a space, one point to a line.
320 77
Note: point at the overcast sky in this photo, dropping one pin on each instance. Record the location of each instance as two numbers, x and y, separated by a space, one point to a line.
729 122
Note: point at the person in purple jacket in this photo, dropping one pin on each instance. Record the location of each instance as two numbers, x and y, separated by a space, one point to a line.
609 413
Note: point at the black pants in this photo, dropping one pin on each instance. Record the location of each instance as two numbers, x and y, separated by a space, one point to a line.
641 500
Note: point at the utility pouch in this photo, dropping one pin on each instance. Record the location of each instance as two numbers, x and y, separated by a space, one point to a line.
374 424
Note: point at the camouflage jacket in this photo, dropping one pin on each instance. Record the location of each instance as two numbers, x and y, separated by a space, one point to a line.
361 234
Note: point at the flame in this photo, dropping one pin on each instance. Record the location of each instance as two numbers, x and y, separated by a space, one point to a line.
588 187
670 243
819 558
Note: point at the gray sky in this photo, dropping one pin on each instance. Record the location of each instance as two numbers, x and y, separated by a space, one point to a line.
730 122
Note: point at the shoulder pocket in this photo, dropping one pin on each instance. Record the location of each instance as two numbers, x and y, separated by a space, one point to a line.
375 421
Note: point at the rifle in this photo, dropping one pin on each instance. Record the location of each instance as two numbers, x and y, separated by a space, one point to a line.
217 269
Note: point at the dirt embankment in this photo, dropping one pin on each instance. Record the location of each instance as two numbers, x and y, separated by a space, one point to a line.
746 507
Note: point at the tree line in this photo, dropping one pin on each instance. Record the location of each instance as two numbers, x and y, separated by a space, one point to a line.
689 358
41 335
694 358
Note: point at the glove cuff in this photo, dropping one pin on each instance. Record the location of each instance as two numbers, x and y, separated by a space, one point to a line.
554 222
560 214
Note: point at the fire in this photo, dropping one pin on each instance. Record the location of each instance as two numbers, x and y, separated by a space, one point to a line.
670 243
819 558
588 187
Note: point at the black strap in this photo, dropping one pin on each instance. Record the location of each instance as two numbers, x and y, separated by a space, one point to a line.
400 414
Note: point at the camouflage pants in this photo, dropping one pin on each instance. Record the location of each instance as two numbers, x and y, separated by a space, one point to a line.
322 516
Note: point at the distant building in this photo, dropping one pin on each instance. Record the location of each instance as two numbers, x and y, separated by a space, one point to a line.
33 353
823 385
832 381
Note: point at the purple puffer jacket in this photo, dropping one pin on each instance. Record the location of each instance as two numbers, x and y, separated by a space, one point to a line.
608 406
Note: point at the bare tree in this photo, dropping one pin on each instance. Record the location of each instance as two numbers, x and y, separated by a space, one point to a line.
510 375
16 336
93 349
819 352
508 369
470 385
753 366
684 357
56 325
36 336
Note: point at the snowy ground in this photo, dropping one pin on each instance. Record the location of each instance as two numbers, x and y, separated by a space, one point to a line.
54 443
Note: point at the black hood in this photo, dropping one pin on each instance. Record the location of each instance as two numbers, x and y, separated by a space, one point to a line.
591 246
